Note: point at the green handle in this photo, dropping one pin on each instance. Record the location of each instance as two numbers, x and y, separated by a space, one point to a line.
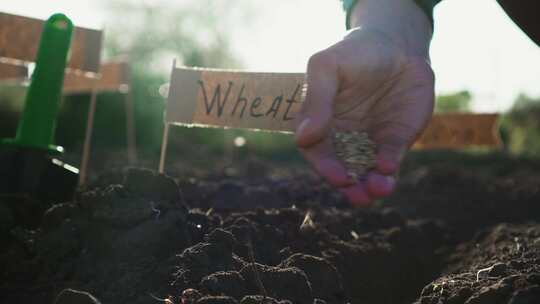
37 125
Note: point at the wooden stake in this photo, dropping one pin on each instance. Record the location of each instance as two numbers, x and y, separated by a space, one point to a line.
88 137
130 129
164 148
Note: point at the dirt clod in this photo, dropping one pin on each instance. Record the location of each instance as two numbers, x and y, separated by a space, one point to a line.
130 234
152 186
229 283
497 270
281 283
324 278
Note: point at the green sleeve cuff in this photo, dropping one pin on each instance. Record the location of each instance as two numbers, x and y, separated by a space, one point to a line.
348 6
426 5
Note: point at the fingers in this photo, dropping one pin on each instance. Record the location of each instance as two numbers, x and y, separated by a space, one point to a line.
322 158
357 195
395 121
362 193
312 133
316 114
390 151
407 118
379 186
394 136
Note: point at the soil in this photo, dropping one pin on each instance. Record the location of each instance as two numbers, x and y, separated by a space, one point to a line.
462 230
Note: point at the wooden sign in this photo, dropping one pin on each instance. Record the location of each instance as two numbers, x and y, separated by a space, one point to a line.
10 71
270 101
113 77
19 39
260 101
460 130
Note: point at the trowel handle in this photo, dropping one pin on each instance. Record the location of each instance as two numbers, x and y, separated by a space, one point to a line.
37 125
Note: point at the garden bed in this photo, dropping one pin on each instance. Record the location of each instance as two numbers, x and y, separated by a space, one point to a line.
450 234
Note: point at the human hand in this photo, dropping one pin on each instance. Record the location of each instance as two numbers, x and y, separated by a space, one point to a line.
377 80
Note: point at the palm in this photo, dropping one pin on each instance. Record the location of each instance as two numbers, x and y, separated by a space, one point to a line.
380 90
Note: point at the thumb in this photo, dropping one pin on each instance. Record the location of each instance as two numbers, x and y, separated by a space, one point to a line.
317 109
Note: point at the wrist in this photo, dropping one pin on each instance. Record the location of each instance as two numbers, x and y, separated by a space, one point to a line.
403 21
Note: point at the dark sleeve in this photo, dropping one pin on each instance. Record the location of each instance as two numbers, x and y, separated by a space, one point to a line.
427 6
526 14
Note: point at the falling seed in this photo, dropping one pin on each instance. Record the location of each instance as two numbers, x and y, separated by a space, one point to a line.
307 223
356 151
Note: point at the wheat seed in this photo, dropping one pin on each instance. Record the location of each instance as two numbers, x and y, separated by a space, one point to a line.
356 151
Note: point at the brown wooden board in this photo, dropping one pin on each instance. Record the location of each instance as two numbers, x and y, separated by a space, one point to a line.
264 101
460 130
12 72
114 76
19 39
270 101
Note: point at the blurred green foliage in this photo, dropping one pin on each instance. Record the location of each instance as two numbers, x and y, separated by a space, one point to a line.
11 101
520 127
455 102
196 33
150 37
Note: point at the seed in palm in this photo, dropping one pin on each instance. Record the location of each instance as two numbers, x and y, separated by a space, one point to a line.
356 151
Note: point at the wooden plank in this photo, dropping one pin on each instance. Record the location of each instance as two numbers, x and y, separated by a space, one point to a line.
19 39
12 72
460 130
270 101
113 77
265 101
